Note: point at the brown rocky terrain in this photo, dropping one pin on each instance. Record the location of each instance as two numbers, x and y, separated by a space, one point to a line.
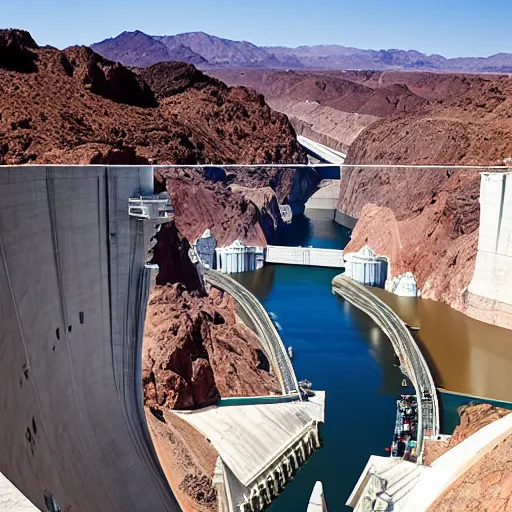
195 348
74 106
329 107
195 351
427 220
487 486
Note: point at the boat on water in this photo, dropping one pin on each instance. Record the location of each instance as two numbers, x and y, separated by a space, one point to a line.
406 428
290 352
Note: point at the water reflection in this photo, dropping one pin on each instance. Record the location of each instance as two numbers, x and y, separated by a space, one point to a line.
465 355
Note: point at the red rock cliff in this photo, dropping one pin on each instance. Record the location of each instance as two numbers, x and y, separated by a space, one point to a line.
427 220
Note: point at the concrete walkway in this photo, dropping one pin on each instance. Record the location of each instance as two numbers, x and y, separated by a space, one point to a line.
254 314
412 362
12 500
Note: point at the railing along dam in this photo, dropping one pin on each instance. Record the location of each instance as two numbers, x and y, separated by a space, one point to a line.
73 292
309 256
258 317
412 362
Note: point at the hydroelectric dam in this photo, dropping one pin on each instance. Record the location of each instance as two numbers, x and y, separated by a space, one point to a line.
75 277
73 292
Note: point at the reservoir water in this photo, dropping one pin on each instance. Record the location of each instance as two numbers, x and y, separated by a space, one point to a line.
340 350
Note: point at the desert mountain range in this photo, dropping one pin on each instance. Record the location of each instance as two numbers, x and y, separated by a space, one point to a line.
206 51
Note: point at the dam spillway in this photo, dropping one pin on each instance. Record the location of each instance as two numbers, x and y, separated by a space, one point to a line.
307 256
73 289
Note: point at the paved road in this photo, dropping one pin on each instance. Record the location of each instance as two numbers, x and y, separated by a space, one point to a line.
272 343
412 362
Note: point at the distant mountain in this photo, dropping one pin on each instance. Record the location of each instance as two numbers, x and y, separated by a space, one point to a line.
207 51
140 50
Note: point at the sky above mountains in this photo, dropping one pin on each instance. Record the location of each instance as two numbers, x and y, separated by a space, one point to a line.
453 28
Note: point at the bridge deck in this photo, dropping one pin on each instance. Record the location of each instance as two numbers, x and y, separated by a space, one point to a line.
321 151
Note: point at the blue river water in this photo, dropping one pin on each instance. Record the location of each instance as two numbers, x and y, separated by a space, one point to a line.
340 350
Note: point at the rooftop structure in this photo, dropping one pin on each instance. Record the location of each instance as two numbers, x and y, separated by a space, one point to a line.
239 257
260 447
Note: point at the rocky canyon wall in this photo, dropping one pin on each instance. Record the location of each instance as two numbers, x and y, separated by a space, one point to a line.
426 221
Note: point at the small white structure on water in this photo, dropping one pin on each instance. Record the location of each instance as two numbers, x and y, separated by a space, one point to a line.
286 213
403 285
239 258
205 248
366 267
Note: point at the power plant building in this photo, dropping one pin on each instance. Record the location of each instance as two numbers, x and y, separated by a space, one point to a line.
366 267
239 258
205 248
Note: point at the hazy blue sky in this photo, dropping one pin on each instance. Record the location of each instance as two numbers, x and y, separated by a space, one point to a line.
449 27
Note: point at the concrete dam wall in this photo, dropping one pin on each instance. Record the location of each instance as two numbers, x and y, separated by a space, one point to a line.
490 290
309 256
73 291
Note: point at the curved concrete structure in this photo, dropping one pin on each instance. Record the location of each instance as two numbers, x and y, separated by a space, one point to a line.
412 362
324 153
257 317
73 291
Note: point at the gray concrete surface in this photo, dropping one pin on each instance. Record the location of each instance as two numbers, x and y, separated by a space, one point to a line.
321 151
72 300
326 197
492 279
260 447
11 499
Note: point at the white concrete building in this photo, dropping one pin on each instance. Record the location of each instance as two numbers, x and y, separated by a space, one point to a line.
403 285
238 257
366 267
205 248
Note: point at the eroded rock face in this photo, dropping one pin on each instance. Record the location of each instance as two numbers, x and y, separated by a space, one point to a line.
16 51
238 205
108 79
169 78
171 254
431 216
195 351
